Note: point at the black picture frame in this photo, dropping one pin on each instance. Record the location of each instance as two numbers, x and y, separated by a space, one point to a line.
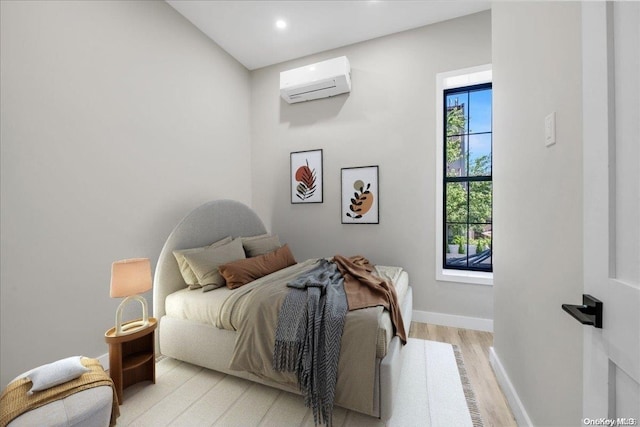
307 183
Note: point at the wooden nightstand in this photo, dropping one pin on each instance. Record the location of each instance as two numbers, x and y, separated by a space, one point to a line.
132 357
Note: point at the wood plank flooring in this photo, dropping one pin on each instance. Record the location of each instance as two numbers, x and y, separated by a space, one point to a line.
474 345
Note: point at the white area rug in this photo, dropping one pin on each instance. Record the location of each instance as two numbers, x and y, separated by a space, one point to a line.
431 394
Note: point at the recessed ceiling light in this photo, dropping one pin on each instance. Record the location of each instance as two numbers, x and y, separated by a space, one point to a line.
281 24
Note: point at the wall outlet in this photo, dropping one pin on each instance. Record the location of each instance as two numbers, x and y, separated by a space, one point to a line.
550 129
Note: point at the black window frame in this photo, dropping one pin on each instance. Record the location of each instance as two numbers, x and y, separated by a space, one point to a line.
465 179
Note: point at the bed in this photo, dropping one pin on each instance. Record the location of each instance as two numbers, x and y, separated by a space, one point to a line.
196 334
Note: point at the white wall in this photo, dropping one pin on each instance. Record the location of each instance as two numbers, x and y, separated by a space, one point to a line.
388 120
538 205
117 119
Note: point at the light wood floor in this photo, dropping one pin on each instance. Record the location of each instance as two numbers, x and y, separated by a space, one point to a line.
475 351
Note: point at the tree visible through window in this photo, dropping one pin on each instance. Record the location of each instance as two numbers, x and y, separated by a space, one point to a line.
468 178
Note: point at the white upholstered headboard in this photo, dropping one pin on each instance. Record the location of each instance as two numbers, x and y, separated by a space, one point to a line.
202 226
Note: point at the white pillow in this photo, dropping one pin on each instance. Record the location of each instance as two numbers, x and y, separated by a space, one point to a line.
47 376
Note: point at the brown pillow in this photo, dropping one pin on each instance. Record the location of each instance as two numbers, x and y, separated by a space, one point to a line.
243 271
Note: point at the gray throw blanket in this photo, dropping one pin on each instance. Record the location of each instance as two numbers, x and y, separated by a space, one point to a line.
308 335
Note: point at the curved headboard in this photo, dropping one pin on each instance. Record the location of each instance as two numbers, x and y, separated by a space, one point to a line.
202 226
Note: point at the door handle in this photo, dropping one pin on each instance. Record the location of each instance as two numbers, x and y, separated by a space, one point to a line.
589 313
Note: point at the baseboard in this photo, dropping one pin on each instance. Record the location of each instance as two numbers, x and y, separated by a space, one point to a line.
517 408
104 361
475 323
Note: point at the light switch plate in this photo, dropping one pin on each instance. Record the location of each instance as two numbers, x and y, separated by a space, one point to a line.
550 129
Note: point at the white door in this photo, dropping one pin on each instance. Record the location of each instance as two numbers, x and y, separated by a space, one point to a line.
611 132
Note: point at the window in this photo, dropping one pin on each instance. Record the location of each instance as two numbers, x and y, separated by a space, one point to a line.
467 184
464 172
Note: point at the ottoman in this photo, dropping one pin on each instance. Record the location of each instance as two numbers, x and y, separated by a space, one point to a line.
91 408
71 392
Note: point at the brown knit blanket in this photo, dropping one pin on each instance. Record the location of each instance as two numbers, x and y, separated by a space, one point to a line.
365 289
15 401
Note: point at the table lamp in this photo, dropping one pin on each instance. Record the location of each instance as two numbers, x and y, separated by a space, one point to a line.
129 278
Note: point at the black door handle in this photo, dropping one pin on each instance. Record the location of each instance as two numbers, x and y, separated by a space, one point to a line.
589 313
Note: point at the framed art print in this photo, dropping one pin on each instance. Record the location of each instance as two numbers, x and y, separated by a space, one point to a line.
306 176
360 195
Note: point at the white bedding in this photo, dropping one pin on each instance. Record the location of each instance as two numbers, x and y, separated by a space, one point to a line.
204 307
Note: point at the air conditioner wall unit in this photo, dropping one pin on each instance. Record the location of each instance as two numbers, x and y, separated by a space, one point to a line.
315 81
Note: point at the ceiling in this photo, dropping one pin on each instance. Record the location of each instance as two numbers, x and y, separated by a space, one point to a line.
247 29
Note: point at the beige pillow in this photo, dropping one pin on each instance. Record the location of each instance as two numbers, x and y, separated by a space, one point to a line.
259 236
205 263
243 271
187 273
260 245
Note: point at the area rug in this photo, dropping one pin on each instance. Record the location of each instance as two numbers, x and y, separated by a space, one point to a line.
433 392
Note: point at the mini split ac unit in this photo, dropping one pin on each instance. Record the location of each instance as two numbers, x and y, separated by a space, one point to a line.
320 80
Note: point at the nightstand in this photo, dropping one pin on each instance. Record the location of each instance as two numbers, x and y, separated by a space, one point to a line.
132 356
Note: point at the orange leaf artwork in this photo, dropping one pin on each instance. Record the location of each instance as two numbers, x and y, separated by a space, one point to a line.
362 200
306 178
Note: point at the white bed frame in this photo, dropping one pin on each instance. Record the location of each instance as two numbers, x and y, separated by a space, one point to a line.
210 347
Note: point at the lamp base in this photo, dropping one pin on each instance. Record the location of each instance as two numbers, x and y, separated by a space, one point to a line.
131 327
135 326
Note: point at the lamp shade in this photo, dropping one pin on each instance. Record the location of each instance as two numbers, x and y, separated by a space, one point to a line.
130 277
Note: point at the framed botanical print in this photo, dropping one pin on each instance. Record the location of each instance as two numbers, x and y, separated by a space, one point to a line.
306 176
360 195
